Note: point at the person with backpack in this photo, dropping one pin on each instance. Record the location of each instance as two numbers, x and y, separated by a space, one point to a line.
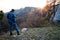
1 18
1 15
12 22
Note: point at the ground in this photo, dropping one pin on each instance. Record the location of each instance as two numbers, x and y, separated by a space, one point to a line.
43 33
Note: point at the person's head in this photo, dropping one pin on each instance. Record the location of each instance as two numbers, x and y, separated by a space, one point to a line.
1 11
12 10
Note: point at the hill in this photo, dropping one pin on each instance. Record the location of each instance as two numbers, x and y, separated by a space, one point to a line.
28 17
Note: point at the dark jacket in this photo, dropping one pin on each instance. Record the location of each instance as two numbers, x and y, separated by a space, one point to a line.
11 17
1 15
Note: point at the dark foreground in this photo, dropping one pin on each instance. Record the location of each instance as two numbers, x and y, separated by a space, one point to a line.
43 33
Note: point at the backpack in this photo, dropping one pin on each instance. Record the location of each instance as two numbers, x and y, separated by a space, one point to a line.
11 17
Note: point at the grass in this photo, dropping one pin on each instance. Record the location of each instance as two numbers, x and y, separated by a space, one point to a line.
43 33
49 32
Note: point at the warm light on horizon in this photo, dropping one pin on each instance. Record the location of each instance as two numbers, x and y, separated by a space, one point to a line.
7 5
43 3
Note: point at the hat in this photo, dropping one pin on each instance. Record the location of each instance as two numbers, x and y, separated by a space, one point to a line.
1 11
12 10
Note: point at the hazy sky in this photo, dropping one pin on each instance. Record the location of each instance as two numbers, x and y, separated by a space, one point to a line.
7 5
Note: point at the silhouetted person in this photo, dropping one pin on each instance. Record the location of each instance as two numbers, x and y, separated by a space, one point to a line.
12 22
1 15
1 20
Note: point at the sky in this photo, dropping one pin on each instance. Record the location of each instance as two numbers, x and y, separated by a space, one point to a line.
7 5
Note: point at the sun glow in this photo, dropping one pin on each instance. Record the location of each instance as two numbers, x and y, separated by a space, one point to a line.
42 3
7 5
